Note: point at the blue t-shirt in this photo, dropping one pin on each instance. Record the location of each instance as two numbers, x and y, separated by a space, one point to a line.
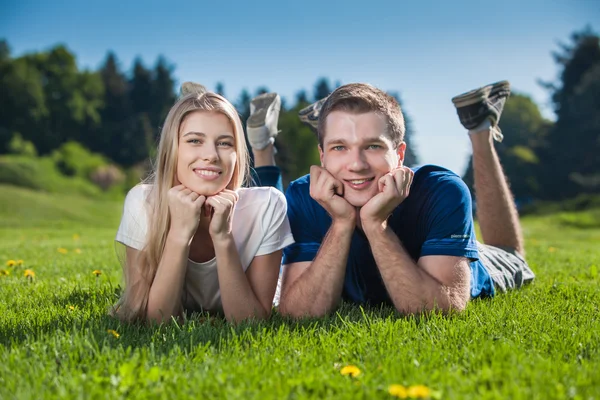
435 219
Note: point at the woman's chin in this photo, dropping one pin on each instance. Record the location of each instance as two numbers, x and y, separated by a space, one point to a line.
205 190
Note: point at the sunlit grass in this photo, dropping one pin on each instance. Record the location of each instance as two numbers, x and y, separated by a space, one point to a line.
56 339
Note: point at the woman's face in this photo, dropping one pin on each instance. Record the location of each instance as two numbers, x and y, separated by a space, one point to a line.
206 153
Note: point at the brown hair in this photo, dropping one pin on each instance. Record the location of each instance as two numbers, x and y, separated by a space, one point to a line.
359 98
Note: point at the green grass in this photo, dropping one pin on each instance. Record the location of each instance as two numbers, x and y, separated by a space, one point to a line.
541 342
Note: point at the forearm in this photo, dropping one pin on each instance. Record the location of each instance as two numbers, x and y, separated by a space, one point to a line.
164 299
411 288
238 299
318 290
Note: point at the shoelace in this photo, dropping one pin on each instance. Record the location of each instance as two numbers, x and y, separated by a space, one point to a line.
497 133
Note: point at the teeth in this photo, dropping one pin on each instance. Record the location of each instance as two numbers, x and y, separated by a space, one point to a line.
207 173
358 182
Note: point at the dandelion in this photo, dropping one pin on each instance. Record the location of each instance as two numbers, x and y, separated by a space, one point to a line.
419 392
4 272
398 391
551 249
75 237
20 262
62 250
351 370
29 274
113 332
71 308
97 272
78 251
11 263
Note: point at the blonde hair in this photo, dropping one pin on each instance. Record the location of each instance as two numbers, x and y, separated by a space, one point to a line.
133 303
358 98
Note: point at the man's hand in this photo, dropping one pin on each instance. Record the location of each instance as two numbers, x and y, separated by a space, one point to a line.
329 192
394 188
185 208
220 207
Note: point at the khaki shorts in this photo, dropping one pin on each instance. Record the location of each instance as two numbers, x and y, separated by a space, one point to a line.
506 266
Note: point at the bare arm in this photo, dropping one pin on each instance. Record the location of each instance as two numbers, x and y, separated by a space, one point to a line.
250 294
243 295
164 299
435 282
315 288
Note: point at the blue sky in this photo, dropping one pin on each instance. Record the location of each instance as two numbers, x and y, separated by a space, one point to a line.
428 51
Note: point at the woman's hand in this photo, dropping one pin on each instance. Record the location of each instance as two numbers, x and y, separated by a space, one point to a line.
221 207
185 208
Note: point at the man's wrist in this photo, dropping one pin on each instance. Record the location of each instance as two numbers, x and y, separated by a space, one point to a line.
343 225
374 229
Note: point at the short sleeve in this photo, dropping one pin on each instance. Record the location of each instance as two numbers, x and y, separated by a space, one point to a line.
276 227
449 220
134 225
305 219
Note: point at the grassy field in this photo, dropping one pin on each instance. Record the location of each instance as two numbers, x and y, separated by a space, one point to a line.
56 339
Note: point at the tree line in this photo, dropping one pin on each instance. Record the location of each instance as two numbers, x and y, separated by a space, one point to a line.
46 101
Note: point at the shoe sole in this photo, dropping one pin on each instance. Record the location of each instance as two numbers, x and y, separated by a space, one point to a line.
482 93
502 86
261 104
472 97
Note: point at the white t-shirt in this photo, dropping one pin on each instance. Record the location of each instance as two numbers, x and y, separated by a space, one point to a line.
259 224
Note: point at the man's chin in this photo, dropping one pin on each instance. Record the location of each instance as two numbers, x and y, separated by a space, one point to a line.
358 200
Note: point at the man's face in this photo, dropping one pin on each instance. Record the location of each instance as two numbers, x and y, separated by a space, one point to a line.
357 151
206 155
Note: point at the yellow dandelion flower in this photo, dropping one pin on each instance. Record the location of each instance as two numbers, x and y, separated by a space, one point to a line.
75 237
398 391
551 249
4 272
113 332
11 263
29 274
20 262
62 250
419 392
351 370
71 308
78 251
97 272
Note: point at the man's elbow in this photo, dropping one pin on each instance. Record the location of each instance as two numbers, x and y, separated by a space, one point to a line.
293 311
448 306
455 305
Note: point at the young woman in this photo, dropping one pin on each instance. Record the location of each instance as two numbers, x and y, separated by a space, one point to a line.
194 239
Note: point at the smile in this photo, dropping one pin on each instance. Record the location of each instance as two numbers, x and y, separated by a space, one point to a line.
359 183
207 174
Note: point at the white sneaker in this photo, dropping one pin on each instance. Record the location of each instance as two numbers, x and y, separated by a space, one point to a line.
262 123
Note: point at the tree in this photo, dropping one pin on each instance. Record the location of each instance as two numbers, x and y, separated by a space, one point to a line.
141 88
220 89
163 96
570 154
410 156
45 98
243 106
322 89
115 112
524 131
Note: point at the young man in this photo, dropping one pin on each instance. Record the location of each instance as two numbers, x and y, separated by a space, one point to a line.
369 230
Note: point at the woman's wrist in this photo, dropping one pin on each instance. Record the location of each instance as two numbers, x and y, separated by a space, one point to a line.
178 237
222 239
